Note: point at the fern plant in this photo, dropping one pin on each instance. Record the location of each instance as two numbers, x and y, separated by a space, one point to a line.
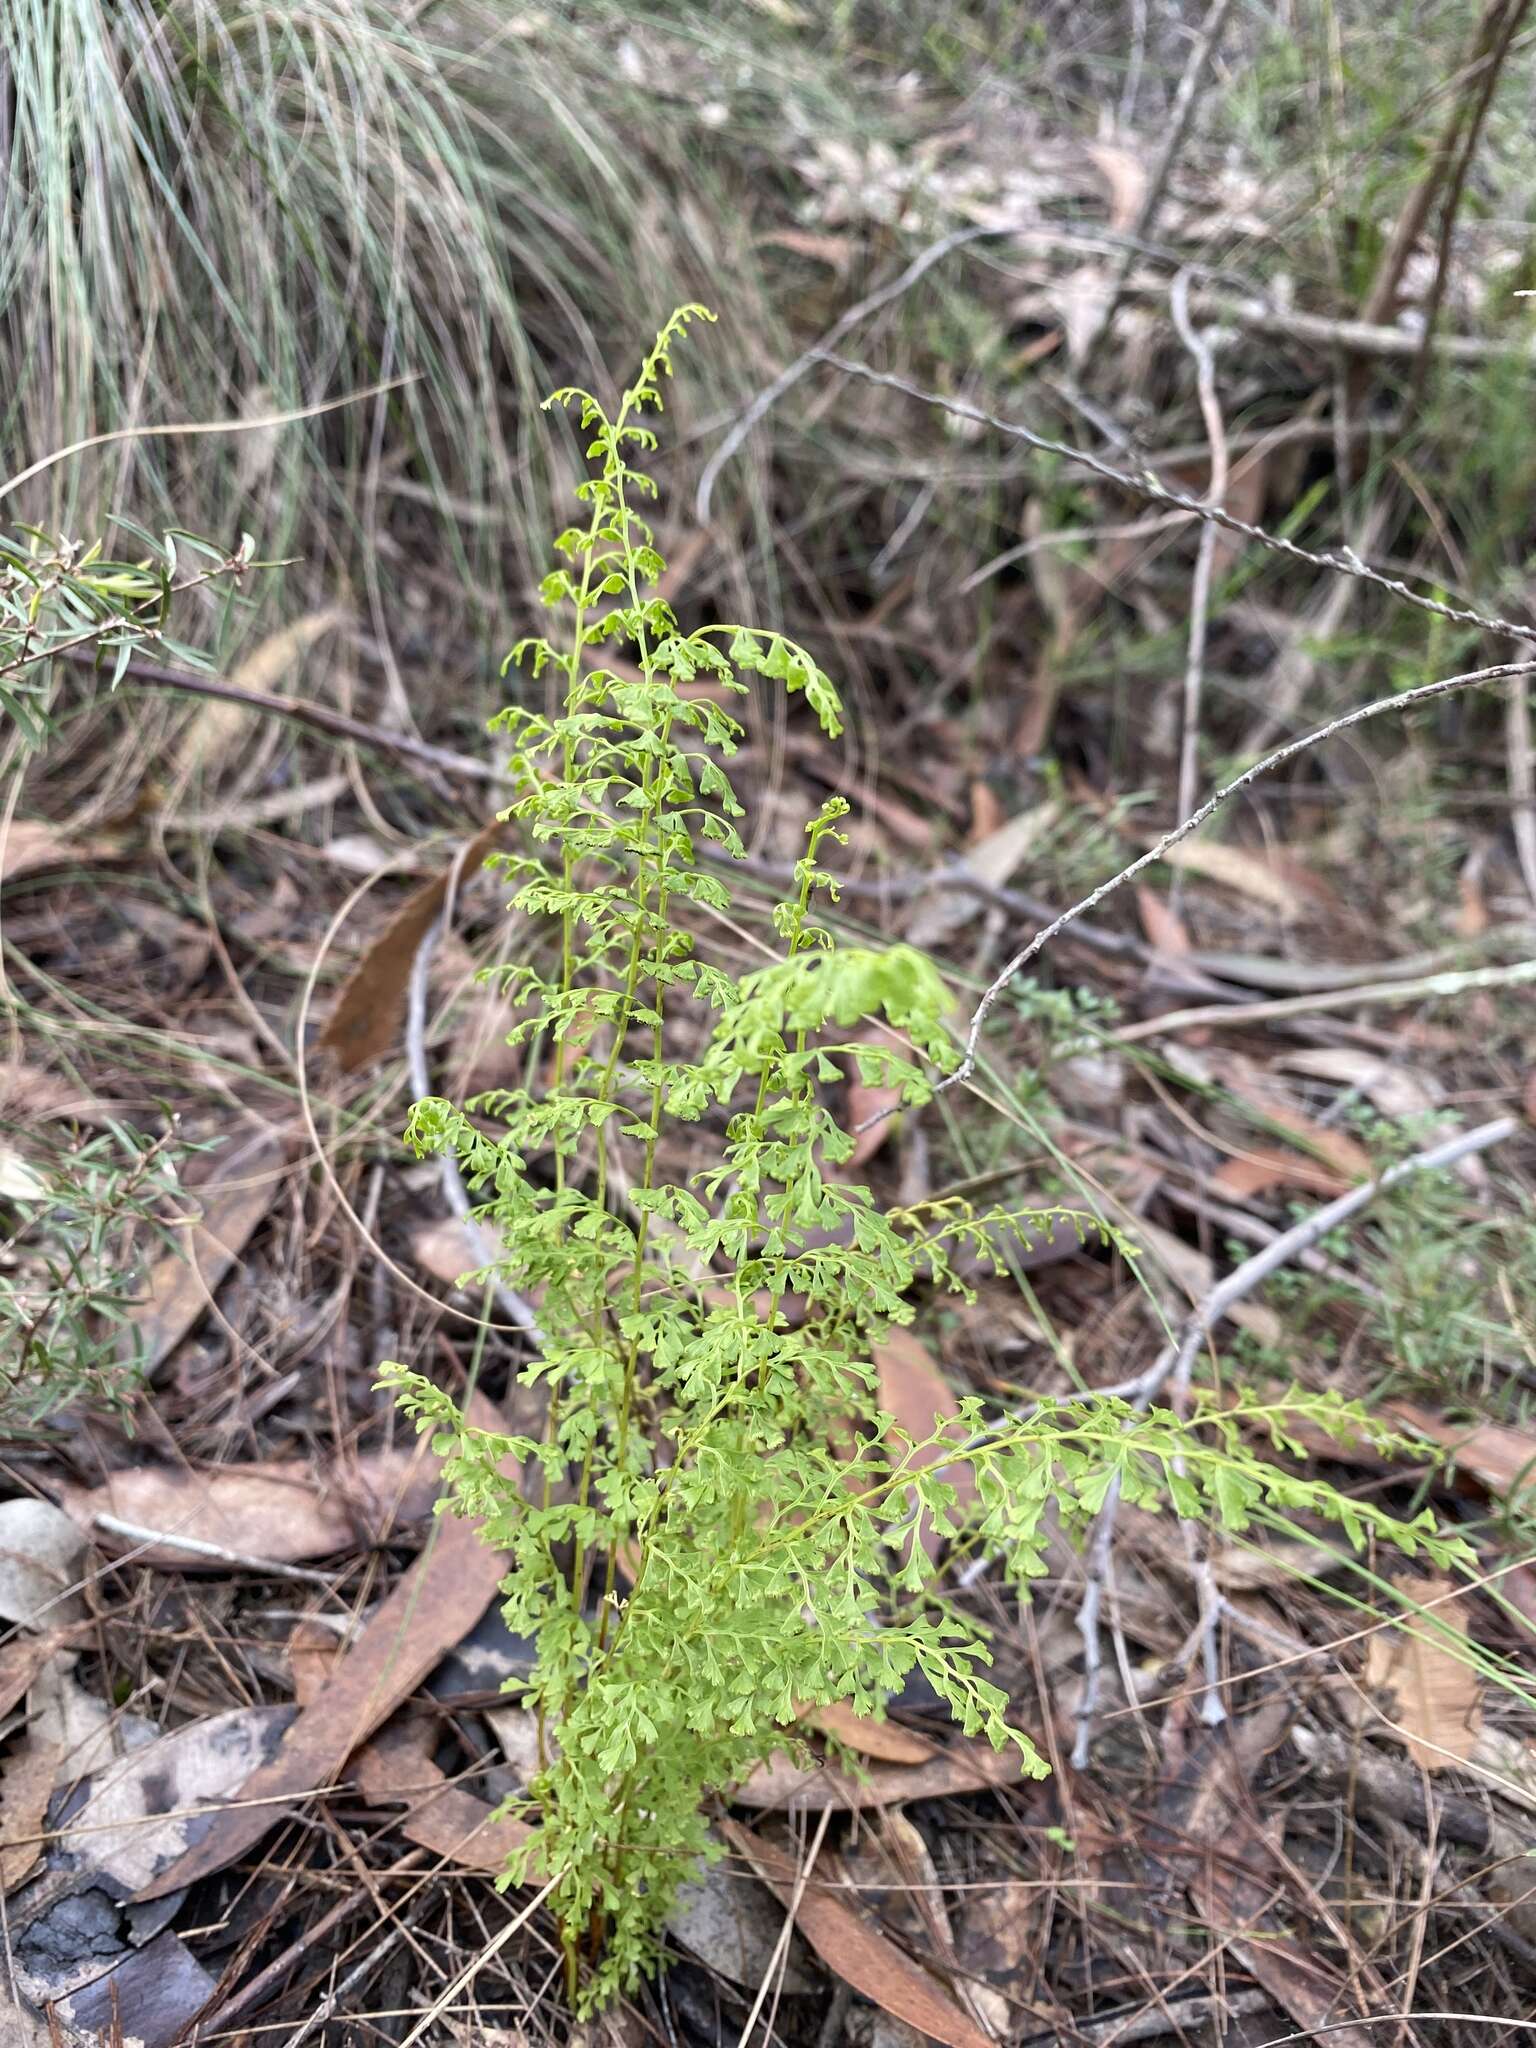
717 1530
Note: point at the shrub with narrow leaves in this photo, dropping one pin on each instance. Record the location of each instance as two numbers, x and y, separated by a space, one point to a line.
717 1529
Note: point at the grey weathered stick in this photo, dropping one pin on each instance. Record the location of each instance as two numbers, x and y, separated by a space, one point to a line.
788 377
213 1553
1204 357
1146 484
1405 701
454 1191
1186 99
1521 767
1175 1362
1425 988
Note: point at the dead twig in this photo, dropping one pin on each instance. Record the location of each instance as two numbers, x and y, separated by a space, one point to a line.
1179 2016
1406 701
454 1191
788 377
1426 988
216 1553
1186 99
299 711
1174 1364
1146 484
1205 555
1520 757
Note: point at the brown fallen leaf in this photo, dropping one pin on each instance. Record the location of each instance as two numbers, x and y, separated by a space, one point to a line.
856 1952
283 1511
1124 172
431 1608
1280 883
1165 930
446 1250
968 1766
993 861
987 813
870 1098
219 723
883 1739
1346 1156
1392 1087
396 1767
1433 1698
42 1564
30 846
1300 1982
142 1810
312 1655
1208 1835
1261 1167
25 1790
1000 1925
836 251
37 1094
365 1023
234 1187
24 1658
1499 1456
1334 1161
913 1389
733 1925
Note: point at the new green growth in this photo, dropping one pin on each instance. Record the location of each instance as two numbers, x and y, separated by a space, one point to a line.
716 1529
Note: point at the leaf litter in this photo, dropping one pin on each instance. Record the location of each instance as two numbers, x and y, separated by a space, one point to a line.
124 1649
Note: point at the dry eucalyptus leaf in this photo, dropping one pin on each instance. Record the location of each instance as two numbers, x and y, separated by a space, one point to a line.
30 846
446 1250
516 1730
141 1813
25 1790
994 860
219 723
89 1735
42 1558
1433 1698
1389 1086
283 1511
430 1608
1499 1456
732 1923
913 1389
440 1816
967 1766
1282 886
884 1740
365 1024
870 1098
857 1952
1510 1761
35 1093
